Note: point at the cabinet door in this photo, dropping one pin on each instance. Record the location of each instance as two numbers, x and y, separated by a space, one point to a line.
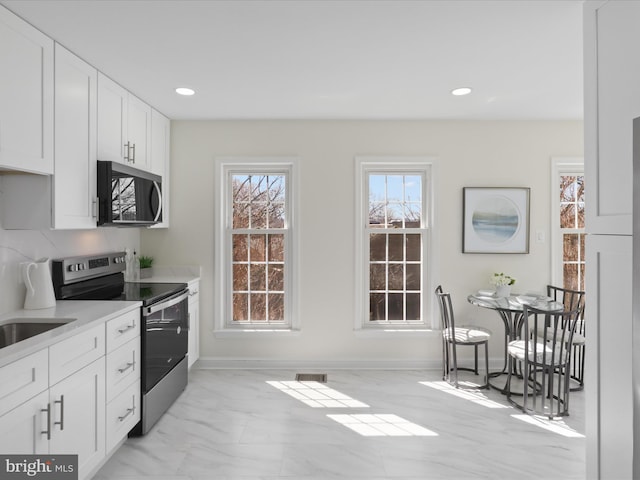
139 132
112 120
612 101
75 142
160 162
608 368
24 428
78 416
194 324
26 96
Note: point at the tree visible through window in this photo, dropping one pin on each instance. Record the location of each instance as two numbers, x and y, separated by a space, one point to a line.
395 247
259 223
572 230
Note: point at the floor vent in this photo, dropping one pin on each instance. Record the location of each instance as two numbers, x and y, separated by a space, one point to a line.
311 377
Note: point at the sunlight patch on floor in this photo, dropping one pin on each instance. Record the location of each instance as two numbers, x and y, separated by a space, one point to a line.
382 425
469 391
556 425
317 395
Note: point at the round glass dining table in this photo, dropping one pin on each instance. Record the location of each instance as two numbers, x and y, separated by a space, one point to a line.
511 311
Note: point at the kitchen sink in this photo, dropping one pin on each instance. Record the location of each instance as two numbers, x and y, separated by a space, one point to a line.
23 328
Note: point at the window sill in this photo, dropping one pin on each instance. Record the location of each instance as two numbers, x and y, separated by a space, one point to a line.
244 332
399 332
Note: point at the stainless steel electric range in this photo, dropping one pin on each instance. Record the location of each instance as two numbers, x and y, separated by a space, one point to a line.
164 328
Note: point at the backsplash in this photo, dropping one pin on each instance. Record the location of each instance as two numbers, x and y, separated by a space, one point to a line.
17 246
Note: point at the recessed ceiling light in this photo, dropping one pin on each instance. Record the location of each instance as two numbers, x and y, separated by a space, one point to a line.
185 91
461 91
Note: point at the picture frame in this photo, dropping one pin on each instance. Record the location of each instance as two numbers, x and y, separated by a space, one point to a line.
495 219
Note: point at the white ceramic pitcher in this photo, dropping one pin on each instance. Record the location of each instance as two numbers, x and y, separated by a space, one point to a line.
37 278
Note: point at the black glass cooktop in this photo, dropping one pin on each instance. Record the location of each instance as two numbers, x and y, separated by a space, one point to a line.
113 287
149 293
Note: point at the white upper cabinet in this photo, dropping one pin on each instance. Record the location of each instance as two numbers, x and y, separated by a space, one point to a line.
76 142
26 96
124 125
612 101
160 159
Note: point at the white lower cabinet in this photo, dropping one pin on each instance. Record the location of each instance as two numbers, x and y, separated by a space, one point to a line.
77 417
194 322
79 396
26 424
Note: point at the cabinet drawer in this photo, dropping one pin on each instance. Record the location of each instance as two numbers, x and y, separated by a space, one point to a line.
23 379
123 367
123 413
122 329
71 355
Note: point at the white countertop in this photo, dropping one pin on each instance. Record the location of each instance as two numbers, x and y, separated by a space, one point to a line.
174 275
86 313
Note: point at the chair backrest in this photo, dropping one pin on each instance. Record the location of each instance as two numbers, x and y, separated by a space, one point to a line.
571 299
548 334
447 320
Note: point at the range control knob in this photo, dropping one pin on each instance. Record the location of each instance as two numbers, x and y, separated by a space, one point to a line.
73 268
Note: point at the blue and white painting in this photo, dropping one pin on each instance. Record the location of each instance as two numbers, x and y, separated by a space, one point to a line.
495 219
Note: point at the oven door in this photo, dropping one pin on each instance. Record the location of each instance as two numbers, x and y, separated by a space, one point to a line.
164 338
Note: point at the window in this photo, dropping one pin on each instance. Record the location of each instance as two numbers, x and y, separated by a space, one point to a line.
256 245
393 241
569 231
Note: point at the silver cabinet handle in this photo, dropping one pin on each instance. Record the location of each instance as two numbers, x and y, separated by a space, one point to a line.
48 430
126 329
127 146
94 208
129 365
129 412
61 422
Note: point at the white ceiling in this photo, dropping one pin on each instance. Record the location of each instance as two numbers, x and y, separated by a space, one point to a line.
340 59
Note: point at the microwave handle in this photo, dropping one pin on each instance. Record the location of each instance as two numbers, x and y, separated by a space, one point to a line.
157 187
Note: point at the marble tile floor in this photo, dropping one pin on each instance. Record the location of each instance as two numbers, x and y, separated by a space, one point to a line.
234 425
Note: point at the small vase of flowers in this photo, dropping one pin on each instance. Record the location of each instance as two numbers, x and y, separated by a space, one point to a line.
502 283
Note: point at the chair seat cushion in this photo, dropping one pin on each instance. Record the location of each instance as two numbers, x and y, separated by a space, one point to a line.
467 334
543 353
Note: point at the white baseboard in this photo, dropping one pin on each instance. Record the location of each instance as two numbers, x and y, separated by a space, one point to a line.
291 364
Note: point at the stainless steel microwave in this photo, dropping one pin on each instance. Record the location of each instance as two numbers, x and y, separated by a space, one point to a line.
128 196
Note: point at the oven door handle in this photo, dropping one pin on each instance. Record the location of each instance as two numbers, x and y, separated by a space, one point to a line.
167 303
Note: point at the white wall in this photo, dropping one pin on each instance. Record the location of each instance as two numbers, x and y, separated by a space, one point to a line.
17 246
470 153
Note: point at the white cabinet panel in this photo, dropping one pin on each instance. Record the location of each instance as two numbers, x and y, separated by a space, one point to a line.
78 416
123 367
123 413
23 379
76 142
612 101
27 425
608 365
71 354
139 131
194 323
122 329
26 96
112 120
124 125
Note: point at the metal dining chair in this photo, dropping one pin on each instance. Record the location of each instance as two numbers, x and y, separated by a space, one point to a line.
572 300
544 353
459 335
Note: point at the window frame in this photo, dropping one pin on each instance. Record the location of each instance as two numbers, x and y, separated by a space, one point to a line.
226 167
425 167
561 166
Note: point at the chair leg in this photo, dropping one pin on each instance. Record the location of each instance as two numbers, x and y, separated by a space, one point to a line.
475 352
486 364
455 364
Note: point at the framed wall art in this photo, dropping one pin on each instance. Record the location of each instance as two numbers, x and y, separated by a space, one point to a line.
495 220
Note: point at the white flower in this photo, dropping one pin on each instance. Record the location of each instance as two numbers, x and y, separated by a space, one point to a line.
500 279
